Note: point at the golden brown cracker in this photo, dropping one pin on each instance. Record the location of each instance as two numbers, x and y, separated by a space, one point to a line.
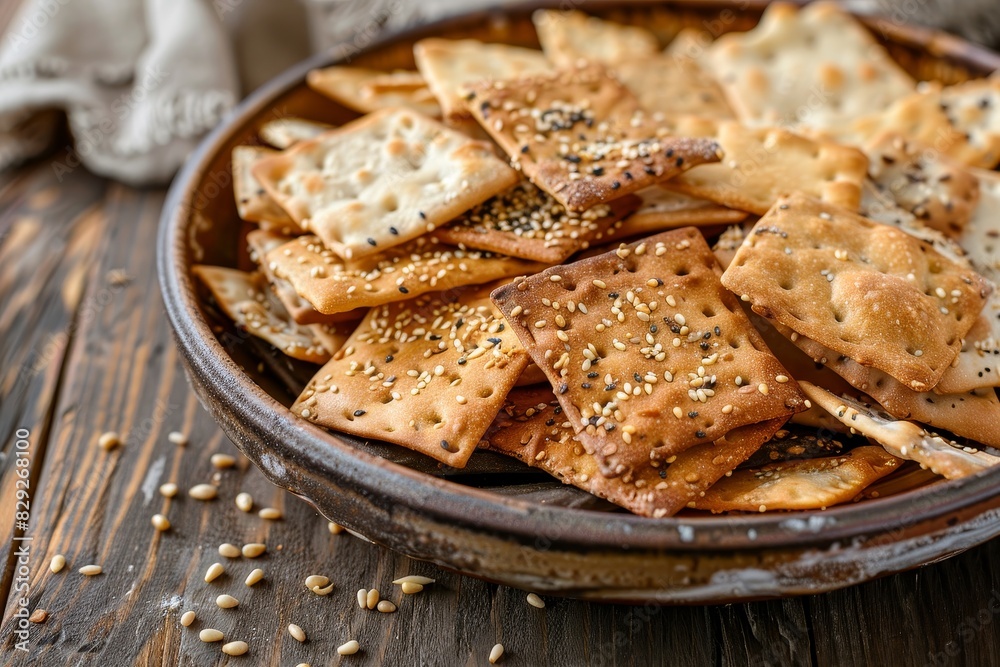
569 36
366 90
647 352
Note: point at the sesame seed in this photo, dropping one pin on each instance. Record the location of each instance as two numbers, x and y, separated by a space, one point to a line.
414 579
270 513
371 600
90 570
108 441
334 528
316 580
253 550
223 461
781 379
214 571
255 576
495 653
57 563
918 353
350 648
168 490
244 501
386 607
535 601
160 522
177 438
296 632
187 618
209 635
363 598
515 311
235 648
727 409
462 400
555 277
412 588
227 550
762 388
203 492
226 601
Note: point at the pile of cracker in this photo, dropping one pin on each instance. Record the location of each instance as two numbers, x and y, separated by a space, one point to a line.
743 275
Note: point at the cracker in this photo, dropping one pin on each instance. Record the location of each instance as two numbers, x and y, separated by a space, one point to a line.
569 36
448 64
661 209
283 133
429 374
978 364
939 192
366 90
981 237
763 164
812 484
865 290
959 121
532 428
333 285
674 84
974 414
633 338
382 180
902 438
260 242
815 66
793 442
252 201
728 243
579 135
527 222
247 301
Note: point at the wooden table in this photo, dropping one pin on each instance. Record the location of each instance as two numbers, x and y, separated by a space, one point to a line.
85 348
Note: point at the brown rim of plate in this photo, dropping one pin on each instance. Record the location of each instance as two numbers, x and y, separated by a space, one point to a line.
250 409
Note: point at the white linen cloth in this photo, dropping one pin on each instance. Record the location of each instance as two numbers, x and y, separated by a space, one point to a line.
140 81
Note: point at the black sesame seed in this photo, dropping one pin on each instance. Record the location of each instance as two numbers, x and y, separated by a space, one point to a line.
608 426
422 215
524 148
636 377
708 334
593 420
394 231
699 434
495 341
445 446
649 170
403 290
703 345
461 321
718 331
610 387
389 358
597 171
500 327
461 361
613 295
585 385
434 337
679 161
575 159
615 185
558 410
670 152
627 175
653 328
358 413
592 374
550 422
563 388
663 474
372 241
693 414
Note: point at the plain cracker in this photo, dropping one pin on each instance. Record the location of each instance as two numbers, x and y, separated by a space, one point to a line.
569 36
366 90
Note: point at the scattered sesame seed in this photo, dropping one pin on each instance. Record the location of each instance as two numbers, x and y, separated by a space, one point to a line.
160 522
177 438
203 492
371 600
414 579
215 570
108 441
57 563
235 648
762 388
255 576
270 513
39 616
363 598
350 648
187 618
168 490
411 588
335 528
209 635
90 570
253 550
226 601
386 607
536 601
227 550
781 379
316 581
223 461
244 501
495 653
296 632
